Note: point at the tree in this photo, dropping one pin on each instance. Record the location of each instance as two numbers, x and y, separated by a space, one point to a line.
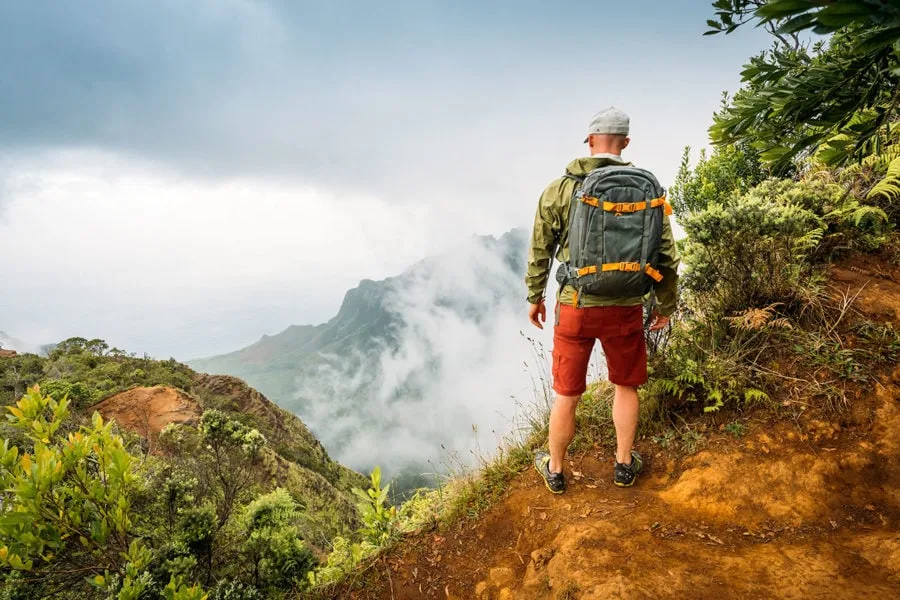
840 96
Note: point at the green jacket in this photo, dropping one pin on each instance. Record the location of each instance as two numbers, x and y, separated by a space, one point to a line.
551 238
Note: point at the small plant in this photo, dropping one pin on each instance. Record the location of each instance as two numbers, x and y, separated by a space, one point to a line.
691 441
379 519
736 429
666 439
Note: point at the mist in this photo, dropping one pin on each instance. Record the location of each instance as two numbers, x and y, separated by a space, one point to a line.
463 370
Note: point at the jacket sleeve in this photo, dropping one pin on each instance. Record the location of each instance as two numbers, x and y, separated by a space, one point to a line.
667 289
544 240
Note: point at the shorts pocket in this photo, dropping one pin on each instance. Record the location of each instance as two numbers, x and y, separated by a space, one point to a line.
570 321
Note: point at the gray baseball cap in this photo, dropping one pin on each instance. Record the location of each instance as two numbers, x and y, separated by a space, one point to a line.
610 121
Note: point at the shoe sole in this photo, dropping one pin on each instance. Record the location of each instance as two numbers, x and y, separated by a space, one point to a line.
547 484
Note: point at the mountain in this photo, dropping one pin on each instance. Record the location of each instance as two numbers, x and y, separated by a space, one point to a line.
349 377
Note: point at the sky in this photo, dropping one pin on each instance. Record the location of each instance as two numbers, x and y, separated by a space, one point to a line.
179 178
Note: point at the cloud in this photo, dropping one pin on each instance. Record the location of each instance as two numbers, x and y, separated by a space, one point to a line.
468 102
98 246
459 376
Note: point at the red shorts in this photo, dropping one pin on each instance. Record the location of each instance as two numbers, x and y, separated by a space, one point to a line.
620 330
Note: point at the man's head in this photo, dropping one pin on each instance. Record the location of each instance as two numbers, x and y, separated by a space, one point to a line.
608 132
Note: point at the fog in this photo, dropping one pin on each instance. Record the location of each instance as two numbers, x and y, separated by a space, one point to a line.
465 373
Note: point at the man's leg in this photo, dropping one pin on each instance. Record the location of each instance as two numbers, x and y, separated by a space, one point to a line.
562 429
625 417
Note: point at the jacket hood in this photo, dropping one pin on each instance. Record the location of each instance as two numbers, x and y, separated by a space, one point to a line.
584 165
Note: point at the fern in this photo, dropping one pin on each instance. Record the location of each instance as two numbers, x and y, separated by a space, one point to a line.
718 399
889 186
870 217
755 395
809 240
754 319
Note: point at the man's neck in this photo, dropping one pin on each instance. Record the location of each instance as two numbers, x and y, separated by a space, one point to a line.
606 155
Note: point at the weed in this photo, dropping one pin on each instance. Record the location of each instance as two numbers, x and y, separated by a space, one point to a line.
736 428
691 441
570 592
665 439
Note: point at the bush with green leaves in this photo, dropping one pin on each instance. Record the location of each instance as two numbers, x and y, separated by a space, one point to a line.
345 556
747 253
714 179
850 224
66 514
274 546
379 519
380 526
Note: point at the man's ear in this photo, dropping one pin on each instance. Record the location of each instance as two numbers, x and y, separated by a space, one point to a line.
625 142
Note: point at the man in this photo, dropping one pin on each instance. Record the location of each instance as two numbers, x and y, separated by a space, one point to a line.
624 250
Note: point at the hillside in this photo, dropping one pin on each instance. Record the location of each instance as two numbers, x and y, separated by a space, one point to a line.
145 396
796 507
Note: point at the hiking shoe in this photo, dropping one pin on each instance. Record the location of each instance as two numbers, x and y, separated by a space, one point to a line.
626 474
556 483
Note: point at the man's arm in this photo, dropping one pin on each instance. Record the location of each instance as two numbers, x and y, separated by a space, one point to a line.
544 239
669 259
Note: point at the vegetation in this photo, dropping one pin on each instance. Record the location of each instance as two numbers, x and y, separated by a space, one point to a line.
838 98
240 504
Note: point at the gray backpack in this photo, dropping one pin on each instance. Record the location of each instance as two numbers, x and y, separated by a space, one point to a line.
615 233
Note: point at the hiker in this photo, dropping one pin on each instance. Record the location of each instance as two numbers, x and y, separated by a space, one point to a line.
625 253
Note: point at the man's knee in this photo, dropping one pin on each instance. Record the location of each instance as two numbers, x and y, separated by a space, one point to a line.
626 389
566 403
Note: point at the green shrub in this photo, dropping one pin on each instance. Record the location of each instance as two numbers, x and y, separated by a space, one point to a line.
66 507
379 519
79 394
747 253
730 169
849 223
279 557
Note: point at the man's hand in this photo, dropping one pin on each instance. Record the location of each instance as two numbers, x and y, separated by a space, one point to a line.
657 321
537 314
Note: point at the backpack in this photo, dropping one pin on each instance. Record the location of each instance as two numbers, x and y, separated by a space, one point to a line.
615 233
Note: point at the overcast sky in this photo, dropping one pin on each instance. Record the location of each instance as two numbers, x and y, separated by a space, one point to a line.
180 178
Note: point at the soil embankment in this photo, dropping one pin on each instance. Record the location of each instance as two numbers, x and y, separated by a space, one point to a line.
147 410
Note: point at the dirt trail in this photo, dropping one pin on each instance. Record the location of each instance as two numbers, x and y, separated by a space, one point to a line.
804 509
147 410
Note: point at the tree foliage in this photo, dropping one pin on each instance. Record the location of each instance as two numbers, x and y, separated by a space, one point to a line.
839 97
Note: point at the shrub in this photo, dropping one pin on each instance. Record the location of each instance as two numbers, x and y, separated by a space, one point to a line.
731 169
747 253
849 223
279 557
66 507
